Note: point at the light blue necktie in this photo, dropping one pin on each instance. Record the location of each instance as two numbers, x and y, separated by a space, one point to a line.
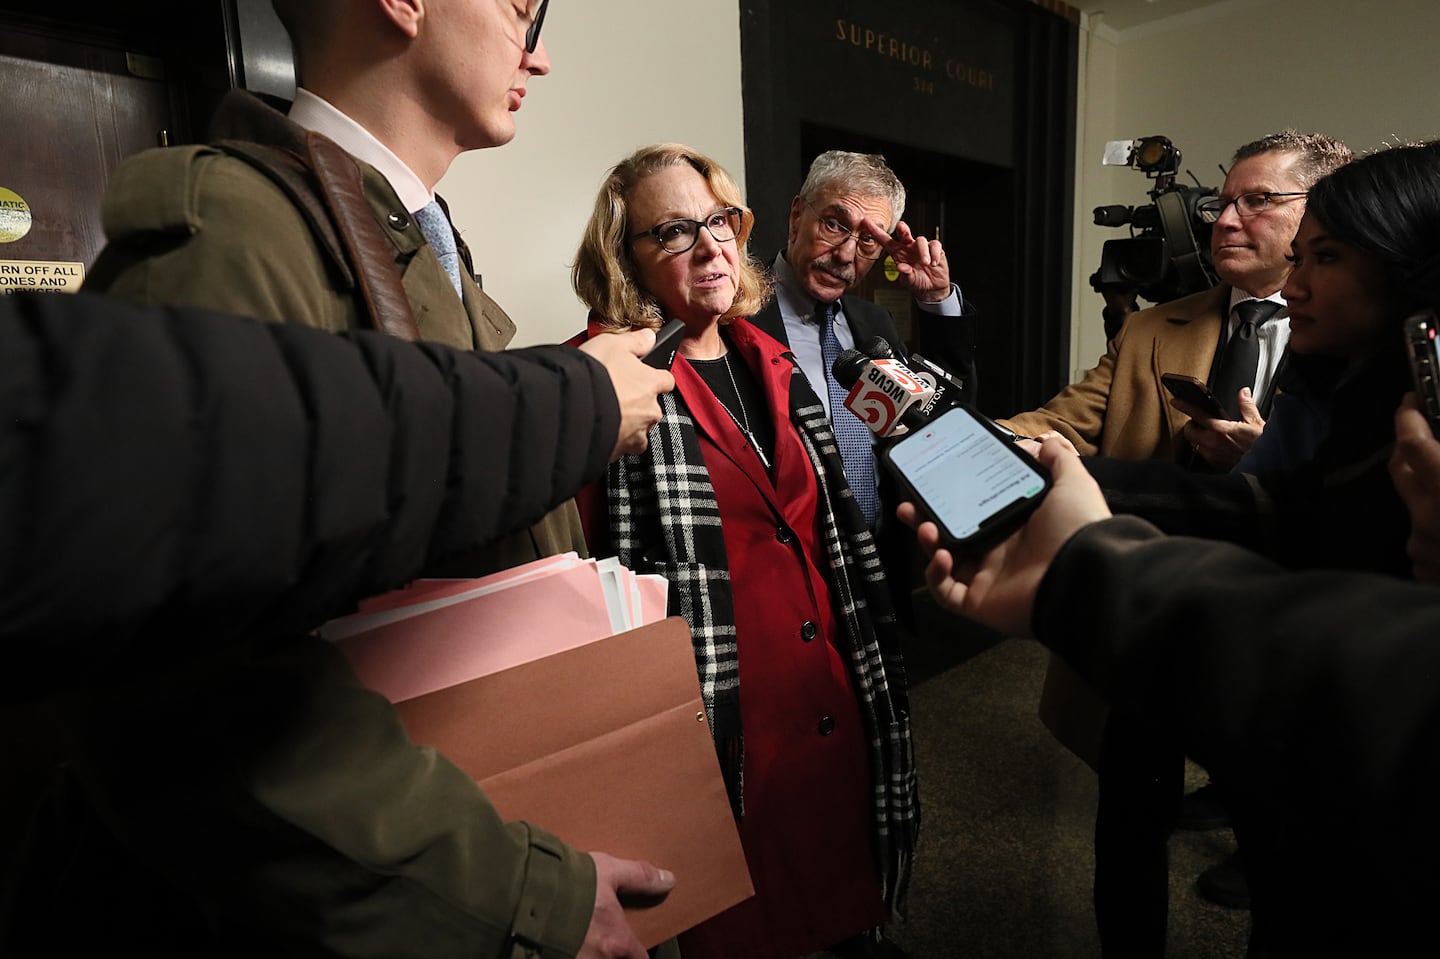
852 437
440 235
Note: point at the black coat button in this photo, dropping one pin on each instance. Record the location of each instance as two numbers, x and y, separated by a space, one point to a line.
398 221
783 534
808 631
827 725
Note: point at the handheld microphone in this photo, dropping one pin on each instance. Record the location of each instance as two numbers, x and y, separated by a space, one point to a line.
878 348
884 393
949 391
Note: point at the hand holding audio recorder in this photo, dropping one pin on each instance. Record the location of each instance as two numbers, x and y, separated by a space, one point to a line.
667 344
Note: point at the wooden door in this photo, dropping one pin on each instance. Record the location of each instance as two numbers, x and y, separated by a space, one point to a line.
72 110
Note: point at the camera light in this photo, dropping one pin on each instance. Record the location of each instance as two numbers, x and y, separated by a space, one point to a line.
1156 154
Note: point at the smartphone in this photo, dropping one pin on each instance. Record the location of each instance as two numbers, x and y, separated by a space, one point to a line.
966 477
1194 392
667 342
1420 337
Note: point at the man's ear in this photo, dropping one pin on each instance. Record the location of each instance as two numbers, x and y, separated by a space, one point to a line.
797 207
405 14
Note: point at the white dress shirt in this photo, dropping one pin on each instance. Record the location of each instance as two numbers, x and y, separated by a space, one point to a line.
314 113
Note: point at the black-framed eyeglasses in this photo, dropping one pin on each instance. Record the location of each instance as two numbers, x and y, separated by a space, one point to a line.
835 233
1246 204
532 32
679 235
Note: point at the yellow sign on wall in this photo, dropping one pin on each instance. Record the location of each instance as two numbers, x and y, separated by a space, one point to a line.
15 217
40 276
892 272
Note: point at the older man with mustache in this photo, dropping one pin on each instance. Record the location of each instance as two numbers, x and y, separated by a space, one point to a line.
840 226
846 218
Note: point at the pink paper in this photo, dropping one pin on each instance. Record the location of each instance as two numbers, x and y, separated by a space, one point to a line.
535 617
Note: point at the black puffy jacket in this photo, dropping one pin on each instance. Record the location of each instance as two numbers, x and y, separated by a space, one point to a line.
161 467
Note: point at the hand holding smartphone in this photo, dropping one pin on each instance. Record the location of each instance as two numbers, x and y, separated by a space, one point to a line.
967 478
1194 392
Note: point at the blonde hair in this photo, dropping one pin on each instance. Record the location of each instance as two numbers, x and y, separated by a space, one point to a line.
604 274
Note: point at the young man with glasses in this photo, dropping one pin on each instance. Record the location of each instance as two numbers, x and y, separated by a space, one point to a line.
310 824
1232 337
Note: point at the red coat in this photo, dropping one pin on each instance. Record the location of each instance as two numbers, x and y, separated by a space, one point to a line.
808 815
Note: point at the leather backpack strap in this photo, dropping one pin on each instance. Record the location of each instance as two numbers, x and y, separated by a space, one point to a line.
370 253
327 188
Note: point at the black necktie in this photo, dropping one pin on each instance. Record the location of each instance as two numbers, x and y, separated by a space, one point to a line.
1241 359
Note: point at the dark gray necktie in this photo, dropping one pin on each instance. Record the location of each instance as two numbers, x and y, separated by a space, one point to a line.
440 235
1241 359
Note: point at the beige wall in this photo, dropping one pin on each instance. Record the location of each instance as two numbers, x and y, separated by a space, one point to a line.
1362 70
522 207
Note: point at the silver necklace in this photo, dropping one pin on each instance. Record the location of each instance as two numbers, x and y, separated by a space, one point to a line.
744 427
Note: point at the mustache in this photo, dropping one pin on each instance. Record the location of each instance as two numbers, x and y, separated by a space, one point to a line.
832 264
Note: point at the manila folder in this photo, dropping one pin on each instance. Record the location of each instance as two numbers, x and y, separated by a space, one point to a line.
606 746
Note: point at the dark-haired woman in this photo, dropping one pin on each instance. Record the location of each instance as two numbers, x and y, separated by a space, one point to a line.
1314 491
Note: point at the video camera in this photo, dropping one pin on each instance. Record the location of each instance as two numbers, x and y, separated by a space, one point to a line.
1168 252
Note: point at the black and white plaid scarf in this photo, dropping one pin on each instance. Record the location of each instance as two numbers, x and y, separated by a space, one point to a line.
664 518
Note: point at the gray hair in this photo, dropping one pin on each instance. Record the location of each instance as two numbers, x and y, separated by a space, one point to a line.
1316 155
864 173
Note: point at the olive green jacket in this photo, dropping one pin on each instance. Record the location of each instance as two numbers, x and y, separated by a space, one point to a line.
272 788
193 226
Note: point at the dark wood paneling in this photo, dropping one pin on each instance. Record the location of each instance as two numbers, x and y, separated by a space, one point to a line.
959 96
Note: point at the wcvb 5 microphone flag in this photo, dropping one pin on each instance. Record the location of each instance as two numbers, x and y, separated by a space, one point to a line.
883 393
